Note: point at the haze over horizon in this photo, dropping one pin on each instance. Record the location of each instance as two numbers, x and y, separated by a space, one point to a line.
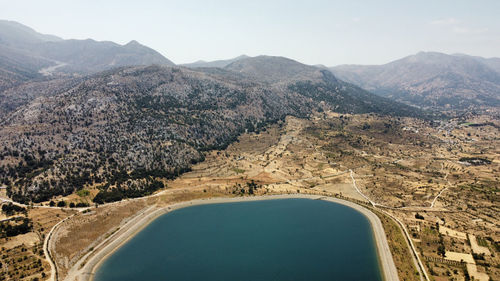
317 32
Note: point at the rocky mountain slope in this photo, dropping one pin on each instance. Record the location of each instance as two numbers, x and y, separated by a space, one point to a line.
431 80
121 130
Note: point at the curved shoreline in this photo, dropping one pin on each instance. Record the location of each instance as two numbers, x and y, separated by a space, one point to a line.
85 268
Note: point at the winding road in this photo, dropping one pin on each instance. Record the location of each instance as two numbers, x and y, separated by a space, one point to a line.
416 257
46 250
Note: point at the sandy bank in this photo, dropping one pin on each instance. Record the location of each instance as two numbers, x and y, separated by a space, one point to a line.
85 268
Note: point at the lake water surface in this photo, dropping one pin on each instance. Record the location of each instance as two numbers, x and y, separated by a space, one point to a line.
283 239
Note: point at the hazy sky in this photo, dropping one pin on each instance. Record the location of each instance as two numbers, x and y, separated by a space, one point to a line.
313 32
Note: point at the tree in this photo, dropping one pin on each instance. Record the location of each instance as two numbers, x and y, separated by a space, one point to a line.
441 250
252 186
52 203
61 204
10 209
466 274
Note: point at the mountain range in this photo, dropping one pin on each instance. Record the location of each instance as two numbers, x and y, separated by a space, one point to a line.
431 80
82 113
216 63
122 128
26 54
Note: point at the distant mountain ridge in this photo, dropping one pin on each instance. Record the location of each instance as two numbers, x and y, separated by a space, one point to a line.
90 56
216 63
25 52
272 68
18 35
430 79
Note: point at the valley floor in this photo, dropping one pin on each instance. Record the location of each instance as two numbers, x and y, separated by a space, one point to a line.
417 178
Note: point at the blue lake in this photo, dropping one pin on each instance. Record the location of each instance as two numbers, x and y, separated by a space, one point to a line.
284 239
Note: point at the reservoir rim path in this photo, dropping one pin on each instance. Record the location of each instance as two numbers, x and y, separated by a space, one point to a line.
86 267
